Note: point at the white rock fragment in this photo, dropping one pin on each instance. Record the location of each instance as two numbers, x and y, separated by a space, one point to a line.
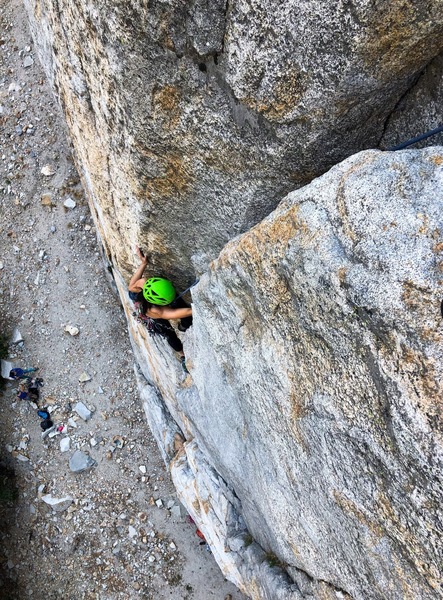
58 504
69 203
142 469
159 503
72 423
83 411
47 170
16 337
65 444
48 432
72 330
173 546
84 377
28 62
6 367
132 531
151 558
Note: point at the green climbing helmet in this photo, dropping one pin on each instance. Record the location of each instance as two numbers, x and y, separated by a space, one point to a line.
159 291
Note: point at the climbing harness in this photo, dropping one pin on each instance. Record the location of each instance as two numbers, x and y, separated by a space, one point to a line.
152 325
419 138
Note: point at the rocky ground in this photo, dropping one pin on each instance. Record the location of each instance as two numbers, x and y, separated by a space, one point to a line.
116 531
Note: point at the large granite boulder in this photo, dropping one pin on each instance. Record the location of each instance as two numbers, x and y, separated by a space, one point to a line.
307 441
191 120
317 366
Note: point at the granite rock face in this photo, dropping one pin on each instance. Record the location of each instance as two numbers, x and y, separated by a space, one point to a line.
306 441
419 110
191 120
317 365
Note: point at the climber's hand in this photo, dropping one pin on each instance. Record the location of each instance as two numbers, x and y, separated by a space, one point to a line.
141 255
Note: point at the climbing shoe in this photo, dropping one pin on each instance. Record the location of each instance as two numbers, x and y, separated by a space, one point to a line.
183 362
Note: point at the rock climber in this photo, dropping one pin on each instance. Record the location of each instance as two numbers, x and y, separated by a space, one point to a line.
157 298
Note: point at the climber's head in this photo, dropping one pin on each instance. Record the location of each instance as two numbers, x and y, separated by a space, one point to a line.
159 291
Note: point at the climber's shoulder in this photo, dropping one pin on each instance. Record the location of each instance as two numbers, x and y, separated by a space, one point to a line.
137 286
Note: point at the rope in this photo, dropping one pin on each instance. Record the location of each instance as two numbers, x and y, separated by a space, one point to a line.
187 289
423 136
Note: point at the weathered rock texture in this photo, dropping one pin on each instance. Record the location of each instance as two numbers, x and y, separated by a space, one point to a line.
306 443
311 425
191 120
317 361
420 110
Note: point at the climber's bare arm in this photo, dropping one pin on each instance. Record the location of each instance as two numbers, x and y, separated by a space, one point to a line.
137 282
165 312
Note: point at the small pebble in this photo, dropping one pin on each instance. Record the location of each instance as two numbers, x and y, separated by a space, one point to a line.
47 170
72 330
132 531
69 203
